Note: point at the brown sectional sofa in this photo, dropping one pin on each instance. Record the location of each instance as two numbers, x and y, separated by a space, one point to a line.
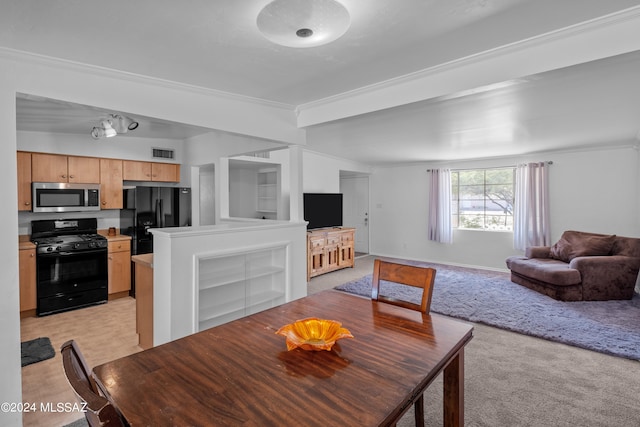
580 267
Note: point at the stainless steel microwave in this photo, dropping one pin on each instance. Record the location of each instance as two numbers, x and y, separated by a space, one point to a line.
65 197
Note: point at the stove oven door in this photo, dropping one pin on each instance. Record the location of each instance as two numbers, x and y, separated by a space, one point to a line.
68 280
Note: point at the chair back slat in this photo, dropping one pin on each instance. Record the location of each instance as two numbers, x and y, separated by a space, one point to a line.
419 277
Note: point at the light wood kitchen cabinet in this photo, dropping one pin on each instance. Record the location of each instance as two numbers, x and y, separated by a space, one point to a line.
110 184
85 170
144 299
150 171
136 171
165 172
329 249
24 181
27 269
59 168
119 258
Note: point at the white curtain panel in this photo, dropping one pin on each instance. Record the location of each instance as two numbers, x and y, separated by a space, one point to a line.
531 214
440 206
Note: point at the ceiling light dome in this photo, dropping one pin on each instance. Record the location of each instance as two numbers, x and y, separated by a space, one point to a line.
303 23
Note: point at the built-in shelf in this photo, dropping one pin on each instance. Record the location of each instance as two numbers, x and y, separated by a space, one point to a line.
267 199
234 285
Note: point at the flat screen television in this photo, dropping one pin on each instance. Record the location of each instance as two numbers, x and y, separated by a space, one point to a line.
322 210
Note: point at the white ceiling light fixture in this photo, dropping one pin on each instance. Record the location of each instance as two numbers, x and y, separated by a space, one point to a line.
112 126
109 131
303 23
123 124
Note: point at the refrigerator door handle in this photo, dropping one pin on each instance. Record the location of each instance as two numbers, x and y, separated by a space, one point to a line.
159 213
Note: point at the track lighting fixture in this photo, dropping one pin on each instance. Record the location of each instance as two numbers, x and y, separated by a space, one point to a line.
112 126
123 124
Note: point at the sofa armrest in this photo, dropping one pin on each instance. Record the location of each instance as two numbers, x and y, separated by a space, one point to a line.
607 277
538 252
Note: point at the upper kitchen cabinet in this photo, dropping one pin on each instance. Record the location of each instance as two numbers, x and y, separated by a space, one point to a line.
136 171
24 181
167 172
58 168
110 184
150 171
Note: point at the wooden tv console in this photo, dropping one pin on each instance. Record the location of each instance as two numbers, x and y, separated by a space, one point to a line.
329 249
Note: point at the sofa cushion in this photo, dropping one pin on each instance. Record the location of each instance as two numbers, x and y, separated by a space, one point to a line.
546 270
573 244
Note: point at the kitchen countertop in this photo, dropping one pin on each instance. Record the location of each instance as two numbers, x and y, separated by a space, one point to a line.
116 237
24 240
143 259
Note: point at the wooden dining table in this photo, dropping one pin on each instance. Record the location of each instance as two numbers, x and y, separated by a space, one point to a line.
240 373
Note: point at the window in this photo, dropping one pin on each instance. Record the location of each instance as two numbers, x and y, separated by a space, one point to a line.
482 199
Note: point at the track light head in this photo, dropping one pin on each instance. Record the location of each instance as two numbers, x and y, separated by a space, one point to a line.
113 125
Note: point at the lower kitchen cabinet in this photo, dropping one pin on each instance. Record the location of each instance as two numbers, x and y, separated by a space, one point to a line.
119 268
27 263
144 299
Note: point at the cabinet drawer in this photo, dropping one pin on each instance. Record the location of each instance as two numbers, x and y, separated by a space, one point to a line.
317 242
119 245
333 239
347 237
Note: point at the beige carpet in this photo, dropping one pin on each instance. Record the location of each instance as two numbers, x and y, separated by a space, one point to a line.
515 380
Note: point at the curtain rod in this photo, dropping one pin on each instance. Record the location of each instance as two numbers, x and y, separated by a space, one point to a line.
549 162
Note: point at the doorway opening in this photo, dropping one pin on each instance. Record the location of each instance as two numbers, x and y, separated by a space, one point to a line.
355 189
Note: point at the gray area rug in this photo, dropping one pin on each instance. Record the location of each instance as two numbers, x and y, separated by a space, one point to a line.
36 350
610 327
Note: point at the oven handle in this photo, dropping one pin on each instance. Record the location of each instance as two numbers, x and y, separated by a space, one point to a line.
66 254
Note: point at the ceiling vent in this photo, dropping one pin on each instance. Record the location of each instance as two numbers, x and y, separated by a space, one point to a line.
162 153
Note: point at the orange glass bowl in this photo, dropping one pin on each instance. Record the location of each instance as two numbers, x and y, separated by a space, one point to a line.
313 334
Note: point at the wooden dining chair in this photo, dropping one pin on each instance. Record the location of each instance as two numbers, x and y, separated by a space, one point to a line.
419 277
410 275
100 411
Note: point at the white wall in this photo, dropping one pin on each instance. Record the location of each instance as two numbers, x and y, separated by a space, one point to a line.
321 173
591 190
243 187
10 380
126 146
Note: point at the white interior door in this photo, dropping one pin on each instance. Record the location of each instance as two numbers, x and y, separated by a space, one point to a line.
355 190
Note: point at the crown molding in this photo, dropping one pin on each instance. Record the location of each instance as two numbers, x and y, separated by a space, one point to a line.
337 106
64 64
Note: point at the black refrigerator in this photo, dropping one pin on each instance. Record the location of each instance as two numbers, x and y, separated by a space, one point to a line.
153 207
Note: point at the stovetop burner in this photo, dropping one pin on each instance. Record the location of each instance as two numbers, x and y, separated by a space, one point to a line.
55 236
70 243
